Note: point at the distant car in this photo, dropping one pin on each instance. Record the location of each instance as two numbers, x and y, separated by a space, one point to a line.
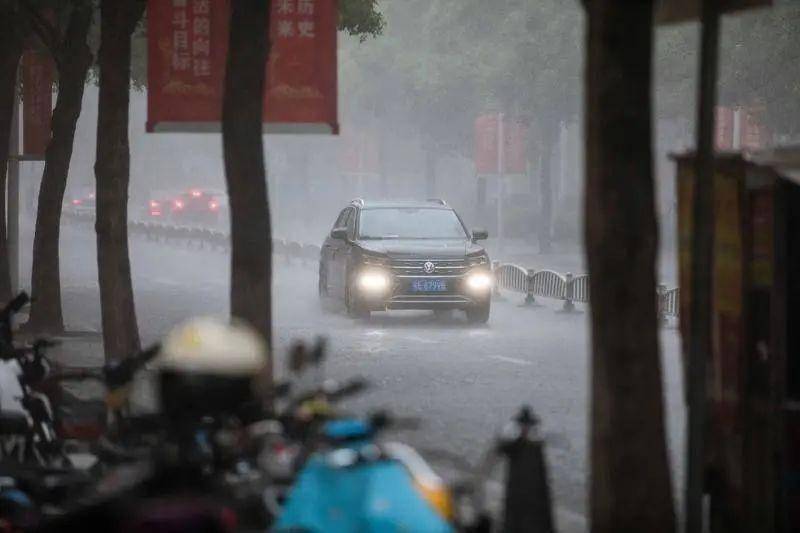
199 207
159 206
82 202
405 255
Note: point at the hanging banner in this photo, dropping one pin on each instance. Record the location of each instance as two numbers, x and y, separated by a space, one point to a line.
515 158
753 133
513 154
723 128
187 50
37 103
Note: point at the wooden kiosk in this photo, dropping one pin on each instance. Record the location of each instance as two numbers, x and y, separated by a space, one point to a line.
753 380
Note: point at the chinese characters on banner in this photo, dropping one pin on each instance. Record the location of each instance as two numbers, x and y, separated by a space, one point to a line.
187 47
514 156
37 103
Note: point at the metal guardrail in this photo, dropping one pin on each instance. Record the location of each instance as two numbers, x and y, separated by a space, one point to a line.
508 276
566 287
198 237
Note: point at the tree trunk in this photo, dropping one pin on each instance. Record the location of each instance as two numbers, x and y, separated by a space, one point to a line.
73 61
549 136
630 478
112 171
10 53
251 238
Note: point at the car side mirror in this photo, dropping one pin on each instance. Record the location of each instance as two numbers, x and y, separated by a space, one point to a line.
480 235
340 234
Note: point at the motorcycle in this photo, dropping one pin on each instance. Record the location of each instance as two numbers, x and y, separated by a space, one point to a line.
348 479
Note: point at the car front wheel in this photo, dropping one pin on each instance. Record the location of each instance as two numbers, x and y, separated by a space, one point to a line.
354 308
479 314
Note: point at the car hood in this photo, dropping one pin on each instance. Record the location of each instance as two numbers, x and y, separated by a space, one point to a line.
398 248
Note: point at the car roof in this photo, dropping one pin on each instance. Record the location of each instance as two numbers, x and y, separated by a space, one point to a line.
420 204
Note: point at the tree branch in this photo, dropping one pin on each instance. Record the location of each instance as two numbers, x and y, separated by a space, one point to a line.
48 33
137 8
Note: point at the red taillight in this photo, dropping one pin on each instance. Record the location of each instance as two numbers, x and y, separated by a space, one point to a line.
154 204
178 204
214 206
196 194
76 202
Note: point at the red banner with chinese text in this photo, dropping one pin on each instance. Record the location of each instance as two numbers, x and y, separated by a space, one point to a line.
37 102
187 48
514 149
723 128
753 132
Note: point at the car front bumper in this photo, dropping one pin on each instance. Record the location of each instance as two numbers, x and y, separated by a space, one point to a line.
400 296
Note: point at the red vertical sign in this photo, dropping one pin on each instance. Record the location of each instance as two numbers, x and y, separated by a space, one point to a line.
515 159
753 132
514 145
37 103
723 128
187 48
486 131
301 78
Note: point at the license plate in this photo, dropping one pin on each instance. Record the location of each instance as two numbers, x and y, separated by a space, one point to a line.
428 285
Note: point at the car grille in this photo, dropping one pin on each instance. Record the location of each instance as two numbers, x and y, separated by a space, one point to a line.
416 267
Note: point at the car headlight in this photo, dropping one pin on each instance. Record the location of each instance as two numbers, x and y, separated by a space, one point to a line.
479 281
373 281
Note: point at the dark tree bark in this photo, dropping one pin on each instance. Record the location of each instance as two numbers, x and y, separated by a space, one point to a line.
112 171
11 42
630 481
549 137
251 257
73 58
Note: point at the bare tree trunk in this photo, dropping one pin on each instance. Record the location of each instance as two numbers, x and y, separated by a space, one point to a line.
10 52
251 257
74 59
112 171
549 136
630 480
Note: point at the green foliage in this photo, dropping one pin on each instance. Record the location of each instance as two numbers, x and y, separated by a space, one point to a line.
439 63
361 18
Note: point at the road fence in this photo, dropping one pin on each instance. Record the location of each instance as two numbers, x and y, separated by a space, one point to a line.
198 237
568 288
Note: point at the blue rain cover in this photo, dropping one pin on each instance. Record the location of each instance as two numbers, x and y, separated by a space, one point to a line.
372 497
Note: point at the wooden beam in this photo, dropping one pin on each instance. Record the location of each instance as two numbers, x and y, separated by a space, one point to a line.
676 11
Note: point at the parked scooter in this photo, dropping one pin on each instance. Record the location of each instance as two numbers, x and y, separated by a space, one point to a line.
349 480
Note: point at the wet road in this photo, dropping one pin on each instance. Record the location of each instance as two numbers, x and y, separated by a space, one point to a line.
463 382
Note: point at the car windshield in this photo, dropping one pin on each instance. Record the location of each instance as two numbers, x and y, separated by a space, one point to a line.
410 223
